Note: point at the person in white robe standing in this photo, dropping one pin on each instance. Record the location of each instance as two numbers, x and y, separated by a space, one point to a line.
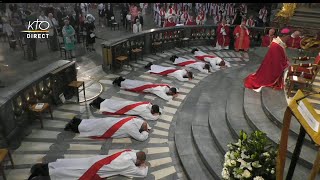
110 127
191 63
164 91
137 27
143 109
180 74
129 163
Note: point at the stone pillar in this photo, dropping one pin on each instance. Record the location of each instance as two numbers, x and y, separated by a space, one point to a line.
147 43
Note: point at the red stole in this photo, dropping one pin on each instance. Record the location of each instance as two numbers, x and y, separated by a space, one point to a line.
147 86
162 13
125 109
202 57
189 22
110 132
185 15
166 72
186 63
91 173
250 22
218 18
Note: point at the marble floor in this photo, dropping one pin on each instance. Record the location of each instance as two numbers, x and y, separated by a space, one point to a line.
52 142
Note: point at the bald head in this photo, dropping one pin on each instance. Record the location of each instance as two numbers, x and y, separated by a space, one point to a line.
271 32
296 33
141 158
144 126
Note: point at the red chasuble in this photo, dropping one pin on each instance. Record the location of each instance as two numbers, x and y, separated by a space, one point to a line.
191 23
243 41
294 42
266 40
170 24
270 72
223 40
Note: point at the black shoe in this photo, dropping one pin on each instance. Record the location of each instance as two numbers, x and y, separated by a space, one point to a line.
148 66
115 81
68 126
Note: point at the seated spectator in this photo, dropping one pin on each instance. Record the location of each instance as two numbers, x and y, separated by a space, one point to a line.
137 27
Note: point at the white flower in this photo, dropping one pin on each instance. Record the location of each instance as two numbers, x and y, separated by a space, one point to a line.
232 155
258 178
256 164
244 156
233 163
225 173
272 171
238 143
266 154
246 174
244 164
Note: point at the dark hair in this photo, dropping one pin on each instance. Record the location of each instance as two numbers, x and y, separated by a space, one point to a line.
172 58
194 50
189 74
207 66
148 66
155 109
173 90
141 156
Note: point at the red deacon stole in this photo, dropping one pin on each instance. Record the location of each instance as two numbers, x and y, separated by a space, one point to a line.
147 86
91 173
202 57
186 63
125 109
166 72
114 128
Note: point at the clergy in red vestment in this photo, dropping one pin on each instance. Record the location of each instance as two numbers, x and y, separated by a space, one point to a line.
223 36
270 72
294 40
267 39
242 39
190 21
170 22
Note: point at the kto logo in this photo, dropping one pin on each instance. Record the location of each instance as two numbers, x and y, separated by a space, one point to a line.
39 27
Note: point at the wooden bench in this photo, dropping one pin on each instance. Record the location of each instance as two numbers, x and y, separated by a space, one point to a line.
137 51
77 84
38 112
3 154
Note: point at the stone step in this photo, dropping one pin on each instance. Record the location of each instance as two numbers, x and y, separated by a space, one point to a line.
306 15
234 113
274 105
188 155
204 142
258 120
303 21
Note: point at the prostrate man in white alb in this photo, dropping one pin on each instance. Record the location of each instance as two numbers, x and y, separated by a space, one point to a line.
180 74
143 109
110 127
215 61
164 91
129 163
191 63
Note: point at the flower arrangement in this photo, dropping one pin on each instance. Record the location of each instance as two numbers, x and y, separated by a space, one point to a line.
252 157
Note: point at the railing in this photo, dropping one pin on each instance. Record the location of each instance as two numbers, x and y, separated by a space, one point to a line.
198 35
42 86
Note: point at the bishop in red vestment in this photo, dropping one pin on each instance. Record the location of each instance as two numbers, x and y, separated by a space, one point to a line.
270 72
294 40
223 36
267 39
241 34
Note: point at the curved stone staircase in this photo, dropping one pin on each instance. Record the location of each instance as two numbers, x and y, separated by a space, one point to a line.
218 108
